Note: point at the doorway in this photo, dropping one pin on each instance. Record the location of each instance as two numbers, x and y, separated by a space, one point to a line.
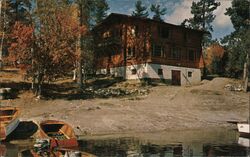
176 77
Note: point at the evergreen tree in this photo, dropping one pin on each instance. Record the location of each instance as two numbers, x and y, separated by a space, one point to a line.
202 15
237 44
140 10
239 14
158 12
101 10
202 19
19 10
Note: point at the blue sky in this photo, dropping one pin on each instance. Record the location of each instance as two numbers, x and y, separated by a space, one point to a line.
177 11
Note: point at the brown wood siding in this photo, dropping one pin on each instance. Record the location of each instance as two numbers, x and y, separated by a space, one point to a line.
147 34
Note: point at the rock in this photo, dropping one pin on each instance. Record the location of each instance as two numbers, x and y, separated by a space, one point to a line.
118 92
98 107
234 87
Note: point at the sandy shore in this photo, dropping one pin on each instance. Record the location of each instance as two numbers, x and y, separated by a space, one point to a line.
165 108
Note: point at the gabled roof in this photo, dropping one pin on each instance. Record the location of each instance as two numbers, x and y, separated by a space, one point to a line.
117 16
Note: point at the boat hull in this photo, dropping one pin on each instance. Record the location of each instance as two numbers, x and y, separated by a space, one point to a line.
70 140
9 122
12 126
244 141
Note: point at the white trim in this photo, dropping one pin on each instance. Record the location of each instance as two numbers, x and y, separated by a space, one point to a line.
149 70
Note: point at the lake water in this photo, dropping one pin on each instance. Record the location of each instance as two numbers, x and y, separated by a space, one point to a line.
209 142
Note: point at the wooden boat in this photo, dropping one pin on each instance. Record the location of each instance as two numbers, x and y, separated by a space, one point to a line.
62 153
60 134
69 152
244 129
244 142
9 120
77 154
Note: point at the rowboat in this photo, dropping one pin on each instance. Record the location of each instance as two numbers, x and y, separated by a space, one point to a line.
77 154
244 129
60 134
69 153
9 120
244 141
62 153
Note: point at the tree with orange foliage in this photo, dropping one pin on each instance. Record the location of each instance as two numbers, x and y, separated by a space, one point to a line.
48 48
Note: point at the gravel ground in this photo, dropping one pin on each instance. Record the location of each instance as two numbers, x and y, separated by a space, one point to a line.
164 108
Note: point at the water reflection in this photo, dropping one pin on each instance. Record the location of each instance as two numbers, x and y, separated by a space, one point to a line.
132 147
168 144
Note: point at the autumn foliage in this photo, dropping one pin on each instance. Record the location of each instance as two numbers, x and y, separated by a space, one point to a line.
21 43
48 49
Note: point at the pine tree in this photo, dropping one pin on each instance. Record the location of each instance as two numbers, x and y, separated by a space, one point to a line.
158 12
239 14
101 10
238 42
19 10
140 10
203 15
202 19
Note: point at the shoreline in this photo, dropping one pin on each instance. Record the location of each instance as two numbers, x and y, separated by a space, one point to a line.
208 105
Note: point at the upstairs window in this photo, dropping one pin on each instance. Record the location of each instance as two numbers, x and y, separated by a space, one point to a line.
106 34
134 31
158 51
131 51
121 32
191 55
116 32
185 36
175 53
163 32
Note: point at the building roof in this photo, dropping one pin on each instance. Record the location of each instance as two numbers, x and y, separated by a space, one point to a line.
117 16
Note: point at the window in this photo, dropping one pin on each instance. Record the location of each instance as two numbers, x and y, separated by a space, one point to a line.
163 32
185 36
175 53
184 54
115 32
106 34
158 51
131 51
160 72
134 31
121 32
191 55
190 74
134 71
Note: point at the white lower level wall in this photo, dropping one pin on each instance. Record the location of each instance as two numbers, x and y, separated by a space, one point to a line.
151 71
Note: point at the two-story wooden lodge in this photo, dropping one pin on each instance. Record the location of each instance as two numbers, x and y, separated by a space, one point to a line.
138 48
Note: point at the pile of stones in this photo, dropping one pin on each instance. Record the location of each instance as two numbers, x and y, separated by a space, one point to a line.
234 87
118 92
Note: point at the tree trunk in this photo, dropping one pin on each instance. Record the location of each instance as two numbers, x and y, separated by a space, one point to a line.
74 74
245 74
3 33
33 83
80 81
39 84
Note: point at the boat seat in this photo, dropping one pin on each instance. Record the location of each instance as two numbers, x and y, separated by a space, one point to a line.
6 116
